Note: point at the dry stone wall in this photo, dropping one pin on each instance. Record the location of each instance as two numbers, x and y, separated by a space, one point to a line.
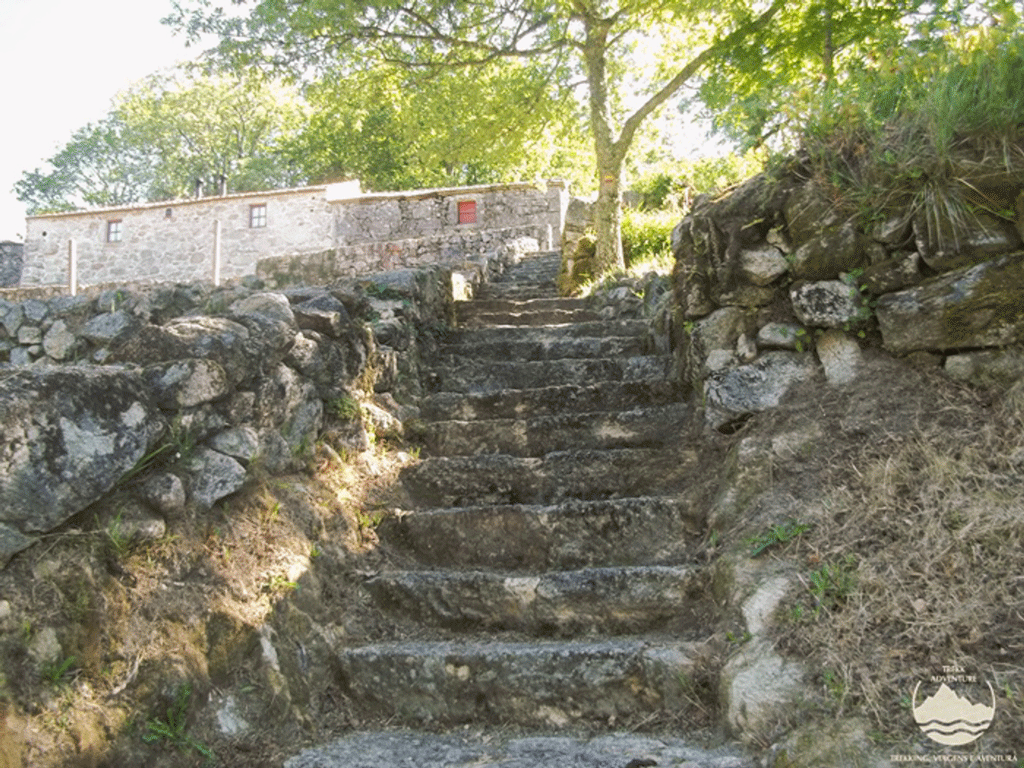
773 286
176 393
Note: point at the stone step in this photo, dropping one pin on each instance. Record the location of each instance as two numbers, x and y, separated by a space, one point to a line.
637 428
469 309
486 748
552 348
521 291
547 334
532 317
545 401
557 685
458 481
609 600
548 262
492 376
571 534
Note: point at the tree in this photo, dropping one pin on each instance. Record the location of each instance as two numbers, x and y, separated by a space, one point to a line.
103 164
568 39
814 60
166 132
215 127
390 131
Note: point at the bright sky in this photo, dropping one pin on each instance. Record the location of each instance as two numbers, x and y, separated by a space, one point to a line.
61 63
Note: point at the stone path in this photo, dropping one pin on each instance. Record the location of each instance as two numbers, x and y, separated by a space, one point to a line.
548 554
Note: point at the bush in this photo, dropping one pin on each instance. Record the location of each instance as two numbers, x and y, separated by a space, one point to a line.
896 137
647 237
673 187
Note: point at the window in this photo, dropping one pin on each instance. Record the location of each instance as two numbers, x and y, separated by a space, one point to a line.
467 212
114 231
258 215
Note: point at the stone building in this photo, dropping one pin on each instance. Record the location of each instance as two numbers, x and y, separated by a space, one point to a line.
11 256
224 237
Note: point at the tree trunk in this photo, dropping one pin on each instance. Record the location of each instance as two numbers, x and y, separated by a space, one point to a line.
609 153
608 218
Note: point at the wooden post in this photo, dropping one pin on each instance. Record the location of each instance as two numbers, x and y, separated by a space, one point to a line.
72 267
216 252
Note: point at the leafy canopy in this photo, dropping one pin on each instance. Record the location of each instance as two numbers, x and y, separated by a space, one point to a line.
166 132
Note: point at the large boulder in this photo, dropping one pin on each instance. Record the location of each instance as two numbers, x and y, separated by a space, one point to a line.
710 242
270 320
333 365
969 308
290 405
186 383
223 341
67 435
832 251
755 387
945 243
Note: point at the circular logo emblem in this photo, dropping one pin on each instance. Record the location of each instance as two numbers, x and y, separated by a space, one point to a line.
952 719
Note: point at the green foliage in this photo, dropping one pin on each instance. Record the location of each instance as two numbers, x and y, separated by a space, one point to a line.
674 185
278 584
833 583
345 408
777 535
164 133
393 128
760 93
119 539
905 136
173 729
103 164
54 672
647 236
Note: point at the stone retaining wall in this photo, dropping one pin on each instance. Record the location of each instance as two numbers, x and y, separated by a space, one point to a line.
183 388
774 286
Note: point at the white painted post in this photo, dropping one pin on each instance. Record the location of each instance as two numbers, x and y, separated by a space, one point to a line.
216 252
72 267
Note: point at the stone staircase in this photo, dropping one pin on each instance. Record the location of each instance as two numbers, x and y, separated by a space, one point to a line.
548 581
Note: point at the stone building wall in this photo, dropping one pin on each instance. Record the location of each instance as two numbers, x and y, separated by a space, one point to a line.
174 241
11 257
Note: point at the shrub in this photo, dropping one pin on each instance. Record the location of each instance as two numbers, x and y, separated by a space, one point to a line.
647 237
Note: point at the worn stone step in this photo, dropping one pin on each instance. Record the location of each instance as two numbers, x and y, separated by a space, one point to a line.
609 600
549 263
492 376
642 530
468 308
544 401
545 434
556 685
531 317
459 481
554 348
598 329
524 290
499 749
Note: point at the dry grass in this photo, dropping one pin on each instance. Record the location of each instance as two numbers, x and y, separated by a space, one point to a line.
925 531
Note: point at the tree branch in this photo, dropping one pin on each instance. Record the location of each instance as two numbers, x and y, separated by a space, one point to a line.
633 122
